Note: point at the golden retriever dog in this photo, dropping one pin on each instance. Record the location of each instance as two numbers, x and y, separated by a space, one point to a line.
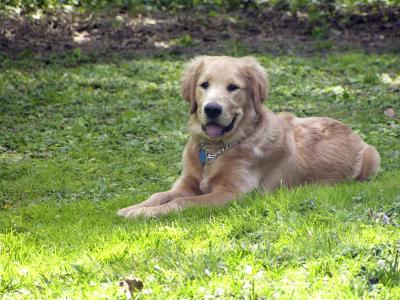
238 145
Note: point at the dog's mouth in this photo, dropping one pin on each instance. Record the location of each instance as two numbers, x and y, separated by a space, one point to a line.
214 130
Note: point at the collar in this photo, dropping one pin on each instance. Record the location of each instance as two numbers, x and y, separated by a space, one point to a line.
205 156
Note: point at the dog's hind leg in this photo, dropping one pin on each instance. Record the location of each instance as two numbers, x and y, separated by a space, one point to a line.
369 161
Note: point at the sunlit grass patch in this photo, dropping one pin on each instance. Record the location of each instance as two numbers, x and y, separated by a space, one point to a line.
79 141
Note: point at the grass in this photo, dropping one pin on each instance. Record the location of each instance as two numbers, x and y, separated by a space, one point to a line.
81 138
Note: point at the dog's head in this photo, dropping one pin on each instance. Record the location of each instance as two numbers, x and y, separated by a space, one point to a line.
223 92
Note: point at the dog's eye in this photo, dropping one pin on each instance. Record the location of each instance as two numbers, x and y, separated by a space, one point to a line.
204 85
232 87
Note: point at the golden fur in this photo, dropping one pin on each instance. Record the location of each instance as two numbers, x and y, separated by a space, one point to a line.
269 150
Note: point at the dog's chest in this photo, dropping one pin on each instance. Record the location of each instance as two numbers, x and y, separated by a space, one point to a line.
209 171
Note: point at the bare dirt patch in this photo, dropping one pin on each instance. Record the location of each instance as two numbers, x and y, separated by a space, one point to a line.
188 32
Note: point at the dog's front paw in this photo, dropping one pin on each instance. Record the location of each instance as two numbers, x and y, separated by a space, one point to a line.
138 212
124 212
133 212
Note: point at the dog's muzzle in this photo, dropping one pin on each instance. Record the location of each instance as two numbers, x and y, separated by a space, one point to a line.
215 130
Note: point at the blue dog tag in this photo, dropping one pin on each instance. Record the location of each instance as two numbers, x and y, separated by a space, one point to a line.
203 156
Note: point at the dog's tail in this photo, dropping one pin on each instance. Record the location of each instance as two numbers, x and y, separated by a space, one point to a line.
370 161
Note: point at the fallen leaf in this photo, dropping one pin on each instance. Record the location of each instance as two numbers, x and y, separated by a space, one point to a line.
390 112
130 285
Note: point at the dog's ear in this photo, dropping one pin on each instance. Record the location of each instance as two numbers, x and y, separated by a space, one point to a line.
256 79
189 81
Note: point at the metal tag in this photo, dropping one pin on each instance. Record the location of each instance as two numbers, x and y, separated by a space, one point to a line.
203 156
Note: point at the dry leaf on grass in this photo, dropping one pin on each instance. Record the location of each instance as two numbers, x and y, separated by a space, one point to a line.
130 286
390 112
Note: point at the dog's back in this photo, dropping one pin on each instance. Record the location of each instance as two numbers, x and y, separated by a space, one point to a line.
328 151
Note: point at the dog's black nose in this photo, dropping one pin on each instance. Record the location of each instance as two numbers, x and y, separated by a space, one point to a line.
213 110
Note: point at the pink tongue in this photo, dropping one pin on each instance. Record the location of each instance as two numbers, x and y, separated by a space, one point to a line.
214 130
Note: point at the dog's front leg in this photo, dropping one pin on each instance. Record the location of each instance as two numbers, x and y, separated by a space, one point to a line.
184 187
217 197
223 191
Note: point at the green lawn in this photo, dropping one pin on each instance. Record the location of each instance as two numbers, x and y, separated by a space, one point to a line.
80 138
